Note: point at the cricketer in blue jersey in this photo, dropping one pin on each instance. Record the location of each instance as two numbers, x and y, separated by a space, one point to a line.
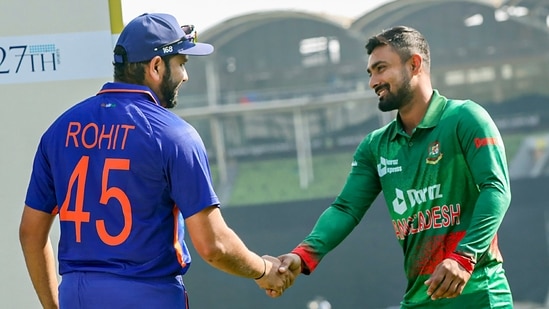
126 176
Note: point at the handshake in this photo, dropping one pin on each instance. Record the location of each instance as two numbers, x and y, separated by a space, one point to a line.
280 273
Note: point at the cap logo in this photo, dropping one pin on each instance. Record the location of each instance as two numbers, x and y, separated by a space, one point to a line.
167 49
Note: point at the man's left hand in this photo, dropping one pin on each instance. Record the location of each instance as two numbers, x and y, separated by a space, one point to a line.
448 280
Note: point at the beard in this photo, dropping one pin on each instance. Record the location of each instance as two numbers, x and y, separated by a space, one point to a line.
168 89
403 95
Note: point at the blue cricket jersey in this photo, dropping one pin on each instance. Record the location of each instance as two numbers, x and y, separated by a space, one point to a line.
122 172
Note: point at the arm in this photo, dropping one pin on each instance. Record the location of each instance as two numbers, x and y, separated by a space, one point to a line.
38 252
485 154
191 186
216 243
331 228
348 209
221 247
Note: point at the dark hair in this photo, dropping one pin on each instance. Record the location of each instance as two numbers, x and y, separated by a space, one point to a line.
128 72
131 72
404 40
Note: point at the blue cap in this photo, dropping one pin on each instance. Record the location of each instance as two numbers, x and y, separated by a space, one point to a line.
156 34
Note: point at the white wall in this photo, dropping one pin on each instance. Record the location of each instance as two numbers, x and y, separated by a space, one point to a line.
78 33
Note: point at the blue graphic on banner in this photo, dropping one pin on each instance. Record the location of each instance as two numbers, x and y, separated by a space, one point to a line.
29 58
55 57
44 48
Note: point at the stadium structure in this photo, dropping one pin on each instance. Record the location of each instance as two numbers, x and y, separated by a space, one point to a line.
286 83
275 71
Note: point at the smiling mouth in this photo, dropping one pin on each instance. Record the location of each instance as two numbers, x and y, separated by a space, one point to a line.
382 91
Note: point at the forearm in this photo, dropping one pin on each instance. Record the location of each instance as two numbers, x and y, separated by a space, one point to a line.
490 209
231 255
40 263
331 228
220 246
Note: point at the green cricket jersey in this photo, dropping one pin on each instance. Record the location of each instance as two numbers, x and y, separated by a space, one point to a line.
447 190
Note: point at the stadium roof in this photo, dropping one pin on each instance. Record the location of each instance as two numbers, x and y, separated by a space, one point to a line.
467 31
535 13
235 26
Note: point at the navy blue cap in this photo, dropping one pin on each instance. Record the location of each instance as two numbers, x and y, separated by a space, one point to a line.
156 34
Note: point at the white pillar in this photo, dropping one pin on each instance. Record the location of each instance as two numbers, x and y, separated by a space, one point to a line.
215 123
303 148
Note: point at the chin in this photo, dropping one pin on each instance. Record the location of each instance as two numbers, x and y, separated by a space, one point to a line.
384 107
171 104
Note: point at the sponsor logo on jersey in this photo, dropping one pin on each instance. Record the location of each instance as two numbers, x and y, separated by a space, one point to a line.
387 166
434 155
415 197
108 105
479 142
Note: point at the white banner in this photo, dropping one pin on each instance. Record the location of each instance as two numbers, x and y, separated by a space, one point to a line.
56 57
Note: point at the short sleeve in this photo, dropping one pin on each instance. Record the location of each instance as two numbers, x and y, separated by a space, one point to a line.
188 171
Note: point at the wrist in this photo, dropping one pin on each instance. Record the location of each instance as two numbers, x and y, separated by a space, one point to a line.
308 264
264 270
465 261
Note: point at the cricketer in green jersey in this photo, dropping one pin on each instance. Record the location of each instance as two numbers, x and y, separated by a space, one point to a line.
442 169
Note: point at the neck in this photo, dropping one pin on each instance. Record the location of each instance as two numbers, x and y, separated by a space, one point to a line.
411 114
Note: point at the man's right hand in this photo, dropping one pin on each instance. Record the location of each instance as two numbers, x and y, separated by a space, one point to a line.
290 262
290 268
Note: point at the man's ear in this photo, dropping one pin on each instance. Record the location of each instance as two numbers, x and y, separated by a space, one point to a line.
155 69
416 61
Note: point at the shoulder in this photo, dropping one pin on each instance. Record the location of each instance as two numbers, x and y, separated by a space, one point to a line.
464 107
180 134
176 127
465 112
378 137
58 126
385 132
471 120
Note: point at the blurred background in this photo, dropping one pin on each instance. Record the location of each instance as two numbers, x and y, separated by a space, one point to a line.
281 106
284 101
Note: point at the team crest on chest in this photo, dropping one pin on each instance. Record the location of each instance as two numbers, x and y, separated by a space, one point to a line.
434 155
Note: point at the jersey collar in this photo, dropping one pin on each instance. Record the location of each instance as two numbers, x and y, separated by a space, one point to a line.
434 111
432 116
115 87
